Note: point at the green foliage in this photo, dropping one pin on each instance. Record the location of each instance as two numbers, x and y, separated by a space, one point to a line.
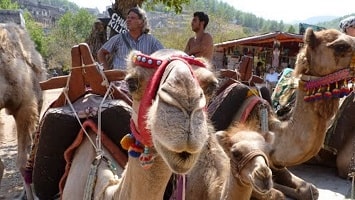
75 27
70 30
8 4
36 32
291 29
63 4
334 23
176 4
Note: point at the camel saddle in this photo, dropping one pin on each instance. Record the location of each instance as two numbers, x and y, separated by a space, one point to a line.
74 111
231 100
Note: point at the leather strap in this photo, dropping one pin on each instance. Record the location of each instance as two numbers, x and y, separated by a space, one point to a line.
126 42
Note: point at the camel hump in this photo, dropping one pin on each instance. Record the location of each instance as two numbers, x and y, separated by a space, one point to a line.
16 41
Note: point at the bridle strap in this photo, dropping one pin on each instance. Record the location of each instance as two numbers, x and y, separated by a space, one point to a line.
141 133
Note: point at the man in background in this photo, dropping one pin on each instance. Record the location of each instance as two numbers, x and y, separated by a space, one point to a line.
201 45
136 38
347 25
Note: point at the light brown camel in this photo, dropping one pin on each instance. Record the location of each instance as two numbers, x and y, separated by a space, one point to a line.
324 59
338 148
21 70
168 120
231 165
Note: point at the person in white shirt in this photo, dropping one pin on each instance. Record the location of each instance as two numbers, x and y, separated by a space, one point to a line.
271 78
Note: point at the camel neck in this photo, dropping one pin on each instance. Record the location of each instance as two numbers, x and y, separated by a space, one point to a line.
307 126
234 189
139 183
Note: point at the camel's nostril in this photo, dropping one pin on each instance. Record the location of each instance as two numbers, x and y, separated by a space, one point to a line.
184 155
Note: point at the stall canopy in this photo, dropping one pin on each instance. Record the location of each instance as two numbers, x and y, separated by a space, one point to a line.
287 40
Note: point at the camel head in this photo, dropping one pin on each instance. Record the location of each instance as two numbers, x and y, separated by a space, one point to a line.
248 152
325 65
325 52
170 91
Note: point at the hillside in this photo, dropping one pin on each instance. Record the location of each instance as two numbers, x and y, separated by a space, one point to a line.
219 12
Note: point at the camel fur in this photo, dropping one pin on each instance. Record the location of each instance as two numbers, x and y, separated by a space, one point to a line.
178 125
218 174
21 70
323 53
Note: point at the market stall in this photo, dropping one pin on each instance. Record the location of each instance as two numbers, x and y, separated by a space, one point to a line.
275 48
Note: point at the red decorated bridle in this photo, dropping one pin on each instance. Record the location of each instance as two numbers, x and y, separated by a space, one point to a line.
334 85
143 136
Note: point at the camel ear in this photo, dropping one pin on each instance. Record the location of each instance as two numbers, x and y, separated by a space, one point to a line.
310 38
222 138
269 137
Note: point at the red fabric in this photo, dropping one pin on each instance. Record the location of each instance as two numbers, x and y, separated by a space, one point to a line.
249 108
143 135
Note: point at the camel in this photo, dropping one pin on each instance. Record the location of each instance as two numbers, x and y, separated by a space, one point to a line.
337 150
324 59
339 147
157 175
21 71
231 165
169 124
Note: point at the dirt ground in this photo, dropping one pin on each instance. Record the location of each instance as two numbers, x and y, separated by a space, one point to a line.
330 186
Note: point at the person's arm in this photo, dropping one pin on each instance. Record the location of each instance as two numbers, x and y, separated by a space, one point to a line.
187 48
205 46
101 57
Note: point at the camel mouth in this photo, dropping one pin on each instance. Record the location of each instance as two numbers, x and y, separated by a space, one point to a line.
184 155
178 162
261 180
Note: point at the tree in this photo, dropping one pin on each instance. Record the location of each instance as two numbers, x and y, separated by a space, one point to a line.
71 29
8 4
36 33
291 29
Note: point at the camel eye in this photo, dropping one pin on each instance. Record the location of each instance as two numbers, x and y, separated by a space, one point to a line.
341 48
132 84
237 154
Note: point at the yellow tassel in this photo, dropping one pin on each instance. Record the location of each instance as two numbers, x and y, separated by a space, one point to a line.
127 141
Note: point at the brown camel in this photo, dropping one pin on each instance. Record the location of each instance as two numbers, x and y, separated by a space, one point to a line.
338 148
323 61
250 171
21 70
169 122
231 165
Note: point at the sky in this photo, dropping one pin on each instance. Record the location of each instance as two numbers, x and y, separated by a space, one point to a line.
288 11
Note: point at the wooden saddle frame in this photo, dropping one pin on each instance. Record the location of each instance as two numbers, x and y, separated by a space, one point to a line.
84 77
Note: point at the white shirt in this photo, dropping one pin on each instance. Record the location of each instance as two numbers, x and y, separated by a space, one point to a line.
274 77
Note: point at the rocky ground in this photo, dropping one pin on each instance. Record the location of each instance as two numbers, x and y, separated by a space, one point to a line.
330 186
11 185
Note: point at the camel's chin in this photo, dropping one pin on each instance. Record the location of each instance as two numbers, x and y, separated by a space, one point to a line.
178 162
263 185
